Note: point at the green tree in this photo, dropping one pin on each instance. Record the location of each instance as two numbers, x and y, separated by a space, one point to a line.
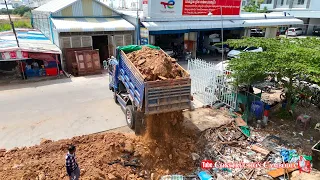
287 58
252 6
21 10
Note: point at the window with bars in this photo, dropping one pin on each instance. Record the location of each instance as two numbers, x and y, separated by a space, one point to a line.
280 2
300 2
76 41
268 2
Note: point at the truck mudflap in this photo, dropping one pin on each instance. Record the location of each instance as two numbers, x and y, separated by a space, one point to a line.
167 96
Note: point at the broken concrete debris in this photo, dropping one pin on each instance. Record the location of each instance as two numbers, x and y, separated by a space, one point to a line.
228 145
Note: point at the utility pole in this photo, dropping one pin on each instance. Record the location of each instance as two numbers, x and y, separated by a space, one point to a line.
138 23
12 25
222 35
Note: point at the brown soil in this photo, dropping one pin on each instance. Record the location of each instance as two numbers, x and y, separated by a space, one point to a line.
171 144
164 149
155 64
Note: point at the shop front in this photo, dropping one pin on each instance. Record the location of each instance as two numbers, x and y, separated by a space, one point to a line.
35 57
198 26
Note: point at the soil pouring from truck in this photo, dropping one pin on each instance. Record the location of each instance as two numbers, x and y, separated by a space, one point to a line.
139 97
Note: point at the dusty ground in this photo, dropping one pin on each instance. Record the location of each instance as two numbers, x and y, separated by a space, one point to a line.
132 157
294 135
56 109
165 149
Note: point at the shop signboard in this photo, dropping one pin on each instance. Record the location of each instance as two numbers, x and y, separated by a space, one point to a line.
216 7
12 55
144 36
145 8
164 8
182 8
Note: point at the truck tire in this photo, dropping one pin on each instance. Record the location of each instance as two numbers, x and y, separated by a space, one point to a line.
138 129
130 116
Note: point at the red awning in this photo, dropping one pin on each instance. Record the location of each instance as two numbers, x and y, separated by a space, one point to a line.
43 56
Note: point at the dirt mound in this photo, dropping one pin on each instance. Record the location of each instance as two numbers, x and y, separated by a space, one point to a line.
154 64
169 144
95 155
100 156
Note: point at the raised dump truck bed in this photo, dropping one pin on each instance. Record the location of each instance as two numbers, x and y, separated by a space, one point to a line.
147 97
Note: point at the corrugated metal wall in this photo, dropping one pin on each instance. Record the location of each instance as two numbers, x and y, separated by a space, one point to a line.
41 22
85 8
56 37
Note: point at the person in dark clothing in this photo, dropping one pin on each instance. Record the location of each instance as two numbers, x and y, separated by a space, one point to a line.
22 66
71 164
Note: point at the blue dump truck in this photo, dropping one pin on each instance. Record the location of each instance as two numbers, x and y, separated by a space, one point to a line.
138 97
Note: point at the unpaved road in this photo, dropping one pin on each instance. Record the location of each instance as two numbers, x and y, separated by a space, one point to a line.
56 109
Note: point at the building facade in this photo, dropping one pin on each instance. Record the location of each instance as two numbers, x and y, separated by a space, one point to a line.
190 24
306 10
82 24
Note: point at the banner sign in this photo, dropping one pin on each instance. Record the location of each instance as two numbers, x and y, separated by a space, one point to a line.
42 56
145 8
144 36
13 55
204 7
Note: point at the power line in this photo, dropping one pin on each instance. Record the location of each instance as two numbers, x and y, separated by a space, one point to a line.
12 25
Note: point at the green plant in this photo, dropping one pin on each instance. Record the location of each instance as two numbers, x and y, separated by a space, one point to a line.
27 14
21 10
287 58
6 26
252 6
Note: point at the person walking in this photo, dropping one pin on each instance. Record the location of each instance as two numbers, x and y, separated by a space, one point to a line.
71 163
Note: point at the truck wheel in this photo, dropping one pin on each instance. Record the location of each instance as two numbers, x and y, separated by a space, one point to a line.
130 116
138 129
115 97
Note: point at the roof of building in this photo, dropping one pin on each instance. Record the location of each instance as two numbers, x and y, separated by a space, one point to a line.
55 5
30 40
304 14
91 24
201 25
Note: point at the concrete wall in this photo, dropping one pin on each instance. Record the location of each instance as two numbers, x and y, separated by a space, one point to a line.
314 5
313 24
271 32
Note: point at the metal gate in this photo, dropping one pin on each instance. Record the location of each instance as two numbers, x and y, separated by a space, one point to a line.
210 84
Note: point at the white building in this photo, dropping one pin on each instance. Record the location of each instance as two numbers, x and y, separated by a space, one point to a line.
124 4
38 3
306 10
183 22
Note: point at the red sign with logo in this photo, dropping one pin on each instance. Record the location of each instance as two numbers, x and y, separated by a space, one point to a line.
216 7
207 164
13 55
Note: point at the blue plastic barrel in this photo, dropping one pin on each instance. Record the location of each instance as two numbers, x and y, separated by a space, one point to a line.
204 176
257 108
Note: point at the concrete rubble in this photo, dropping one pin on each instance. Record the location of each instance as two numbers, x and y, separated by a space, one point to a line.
228 144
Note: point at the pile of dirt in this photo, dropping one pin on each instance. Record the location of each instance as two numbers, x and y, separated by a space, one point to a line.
102 156
154 64
170 144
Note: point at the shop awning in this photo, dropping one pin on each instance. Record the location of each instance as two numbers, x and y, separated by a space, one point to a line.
91 24
29 41
203 25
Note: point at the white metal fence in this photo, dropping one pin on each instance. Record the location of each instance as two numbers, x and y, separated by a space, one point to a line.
210 83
